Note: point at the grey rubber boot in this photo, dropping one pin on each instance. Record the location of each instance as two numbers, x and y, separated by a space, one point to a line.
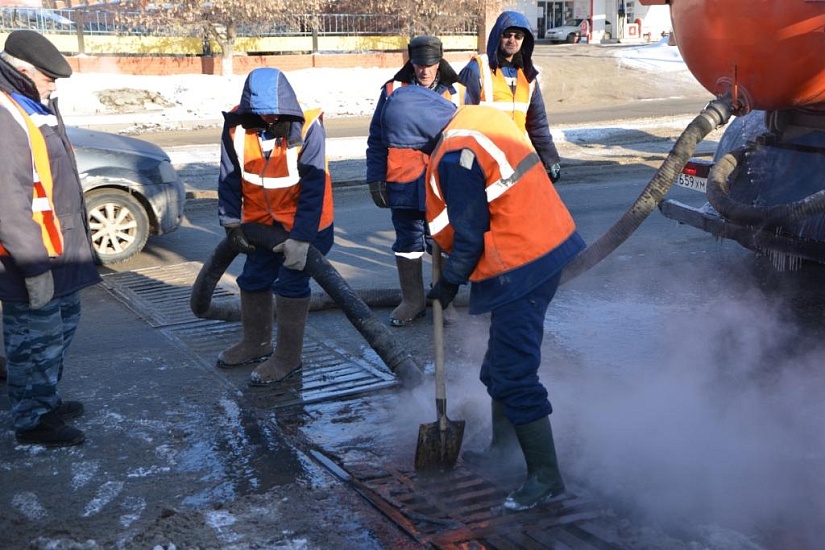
503 443
413 301
544 482
292 321
256 342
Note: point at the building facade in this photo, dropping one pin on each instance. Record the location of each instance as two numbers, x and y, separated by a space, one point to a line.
622 20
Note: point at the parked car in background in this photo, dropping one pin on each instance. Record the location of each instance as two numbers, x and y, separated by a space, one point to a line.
132 191
570 32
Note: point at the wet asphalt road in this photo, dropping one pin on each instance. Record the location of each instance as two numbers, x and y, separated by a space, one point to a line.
686 384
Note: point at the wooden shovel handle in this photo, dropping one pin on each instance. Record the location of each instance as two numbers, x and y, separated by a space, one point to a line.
438 342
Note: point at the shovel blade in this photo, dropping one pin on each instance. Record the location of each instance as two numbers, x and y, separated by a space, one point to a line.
438 448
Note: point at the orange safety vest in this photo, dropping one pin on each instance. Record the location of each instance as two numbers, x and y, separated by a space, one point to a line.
407 165
527 217
42 186
496 92
270 185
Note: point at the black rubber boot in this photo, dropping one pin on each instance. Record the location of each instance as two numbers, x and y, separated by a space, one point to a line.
503 444
544 482
413 300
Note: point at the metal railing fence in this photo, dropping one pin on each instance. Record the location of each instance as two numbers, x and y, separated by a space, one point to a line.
106 22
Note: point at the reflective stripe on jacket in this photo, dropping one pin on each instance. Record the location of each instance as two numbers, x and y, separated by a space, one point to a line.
271 185
527 217
496 91
43 211
407 165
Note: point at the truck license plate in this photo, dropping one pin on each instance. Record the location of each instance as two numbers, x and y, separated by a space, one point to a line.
693 182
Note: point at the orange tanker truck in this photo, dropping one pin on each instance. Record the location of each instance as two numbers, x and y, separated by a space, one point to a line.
765 62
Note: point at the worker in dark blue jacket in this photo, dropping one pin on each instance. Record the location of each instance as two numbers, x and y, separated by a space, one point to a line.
396 176
491 207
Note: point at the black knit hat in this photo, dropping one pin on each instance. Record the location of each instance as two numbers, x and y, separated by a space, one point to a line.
36 49
425 50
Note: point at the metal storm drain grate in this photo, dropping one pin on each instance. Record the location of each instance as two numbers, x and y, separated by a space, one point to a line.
461 509
327 373
161 296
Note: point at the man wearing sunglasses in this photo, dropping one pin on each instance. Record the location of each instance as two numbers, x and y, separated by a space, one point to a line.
505 78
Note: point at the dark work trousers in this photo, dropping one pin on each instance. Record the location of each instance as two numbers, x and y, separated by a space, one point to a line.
263 270
412 235
511 363
36 342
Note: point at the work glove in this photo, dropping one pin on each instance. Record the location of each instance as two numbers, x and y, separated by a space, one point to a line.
237 239
378 191
443 291
554 172
41 289
295 253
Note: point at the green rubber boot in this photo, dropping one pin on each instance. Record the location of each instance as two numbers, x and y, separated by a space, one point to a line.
544 482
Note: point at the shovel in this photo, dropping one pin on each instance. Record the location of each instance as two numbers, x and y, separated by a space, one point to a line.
439 442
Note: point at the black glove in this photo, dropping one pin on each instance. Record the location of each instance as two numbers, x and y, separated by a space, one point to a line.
443 291
237 239
554 172
378 192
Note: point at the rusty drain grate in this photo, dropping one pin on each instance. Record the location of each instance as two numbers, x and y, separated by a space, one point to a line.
461 510
160 295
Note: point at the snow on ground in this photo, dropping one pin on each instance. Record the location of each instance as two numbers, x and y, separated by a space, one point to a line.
343 92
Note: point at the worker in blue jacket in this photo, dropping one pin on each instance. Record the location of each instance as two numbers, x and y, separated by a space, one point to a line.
396 176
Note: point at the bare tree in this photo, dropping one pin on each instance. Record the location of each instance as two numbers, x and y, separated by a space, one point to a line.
222 21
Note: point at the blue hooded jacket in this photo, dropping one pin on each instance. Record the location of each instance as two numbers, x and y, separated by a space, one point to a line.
268 92
537 124
408 195
402 125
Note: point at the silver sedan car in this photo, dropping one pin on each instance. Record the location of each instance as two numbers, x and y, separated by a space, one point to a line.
132 191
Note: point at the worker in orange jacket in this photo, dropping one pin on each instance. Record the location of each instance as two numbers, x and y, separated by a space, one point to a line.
274 172
505 78
491 207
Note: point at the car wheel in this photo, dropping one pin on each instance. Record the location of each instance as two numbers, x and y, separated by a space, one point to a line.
118 223
572 38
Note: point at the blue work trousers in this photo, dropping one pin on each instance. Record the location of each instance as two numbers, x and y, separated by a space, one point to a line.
36 343
411 231
511 363
264 269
